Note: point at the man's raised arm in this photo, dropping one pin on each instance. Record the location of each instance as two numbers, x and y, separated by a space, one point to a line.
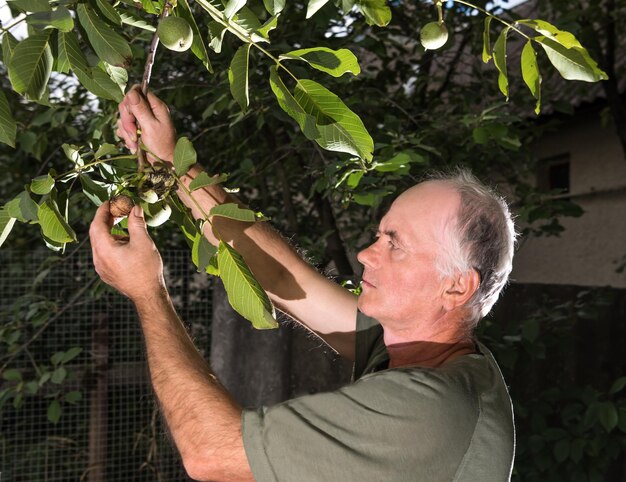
293 285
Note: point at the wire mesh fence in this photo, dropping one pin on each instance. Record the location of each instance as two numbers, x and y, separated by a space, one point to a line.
75 398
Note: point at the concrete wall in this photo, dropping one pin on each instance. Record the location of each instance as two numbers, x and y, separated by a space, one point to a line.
588 251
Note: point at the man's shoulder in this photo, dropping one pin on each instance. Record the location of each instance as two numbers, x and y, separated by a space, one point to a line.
454 389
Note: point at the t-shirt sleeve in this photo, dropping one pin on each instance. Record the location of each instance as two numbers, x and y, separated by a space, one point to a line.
370 347
392 425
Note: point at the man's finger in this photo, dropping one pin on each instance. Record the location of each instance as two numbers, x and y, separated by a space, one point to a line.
138 106
126 137
137 229
159 108
128 122
100 229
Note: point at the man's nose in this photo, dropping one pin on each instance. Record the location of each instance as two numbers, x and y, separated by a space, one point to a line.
368 257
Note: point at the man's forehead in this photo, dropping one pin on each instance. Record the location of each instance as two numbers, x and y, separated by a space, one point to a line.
431 204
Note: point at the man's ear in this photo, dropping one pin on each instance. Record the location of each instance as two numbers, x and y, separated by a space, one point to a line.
459 289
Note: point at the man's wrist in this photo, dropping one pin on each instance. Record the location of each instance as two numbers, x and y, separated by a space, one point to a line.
152 300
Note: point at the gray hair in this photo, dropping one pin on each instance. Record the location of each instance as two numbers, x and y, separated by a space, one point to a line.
482 238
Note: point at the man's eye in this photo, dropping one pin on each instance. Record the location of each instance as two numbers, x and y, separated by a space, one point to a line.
392 246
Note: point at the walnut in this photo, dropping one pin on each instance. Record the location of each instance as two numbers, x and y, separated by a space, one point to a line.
120 206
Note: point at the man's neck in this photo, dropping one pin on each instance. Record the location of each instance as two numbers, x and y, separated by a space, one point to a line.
427 354
428 345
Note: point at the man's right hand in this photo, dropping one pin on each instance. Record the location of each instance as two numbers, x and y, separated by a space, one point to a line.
153 116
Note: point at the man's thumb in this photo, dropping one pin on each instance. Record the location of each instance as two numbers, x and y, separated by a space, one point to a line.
137 223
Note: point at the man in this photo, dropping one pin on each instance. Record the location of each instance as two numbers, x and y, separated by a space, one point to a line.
428 404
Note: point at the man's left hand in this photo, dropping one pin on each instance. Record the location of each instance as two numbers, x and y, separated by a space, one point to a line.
130 264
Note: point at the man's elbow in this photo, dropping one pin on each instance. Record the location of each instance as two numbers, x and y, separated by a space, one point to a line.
216 469
200 468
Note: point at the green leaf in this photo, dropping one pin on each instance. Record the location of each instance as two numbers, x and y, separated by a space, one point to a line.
53 225
399 162
233 6
54 411
247 19
149 7
44 378
333 62
499 58
244 292
573 63
291 106
109 12
561 450
487 40
8 126
274 7
118 75
59 375
135 21
622 419
106 149
232 211
108 45
9 42
59 18
314 6
263 34
12 375
73 397
566 39
100 84
531 74
22 207
576 449
72 152
216 36
376 12
354 179
197 45
203 179
6 225
31 65
42 184
104 86
56 358
184 156
31 5
565 52
607 415
340 129
70 53
201 252
95 191
618 385
371 198
31 387
70 354
238 76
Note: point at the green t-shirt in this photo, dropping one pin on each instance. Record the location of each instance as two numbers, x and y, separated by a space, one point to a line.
452 423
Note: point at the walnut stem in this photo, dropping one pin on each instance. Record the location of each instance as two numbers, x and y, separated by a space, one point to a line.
147 72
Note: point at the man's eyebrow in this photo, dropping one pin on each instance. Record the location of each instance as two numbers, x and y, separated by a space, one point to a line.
393 235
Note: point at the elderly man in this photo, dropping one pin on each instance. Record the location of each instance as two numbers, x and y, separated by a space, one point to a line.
428 402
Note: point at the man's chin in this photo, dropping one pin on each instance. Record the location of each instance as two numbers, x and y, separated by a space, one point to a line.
365 306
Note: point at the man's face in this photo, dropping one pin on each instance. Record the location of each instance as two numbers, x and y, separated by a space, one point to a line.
401 284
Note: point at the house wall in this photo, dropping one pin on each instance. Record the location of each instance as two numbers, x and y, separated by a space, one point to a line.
588 251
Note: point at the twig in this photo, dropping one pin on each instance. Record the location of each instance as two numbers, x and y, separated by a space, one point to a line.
147 73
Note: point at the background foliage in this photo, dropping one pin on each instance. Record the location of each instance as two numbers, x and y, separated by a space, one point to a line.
425 110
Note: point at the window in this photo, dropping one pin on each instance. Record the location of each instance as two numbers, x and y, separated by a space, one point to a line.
554 174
